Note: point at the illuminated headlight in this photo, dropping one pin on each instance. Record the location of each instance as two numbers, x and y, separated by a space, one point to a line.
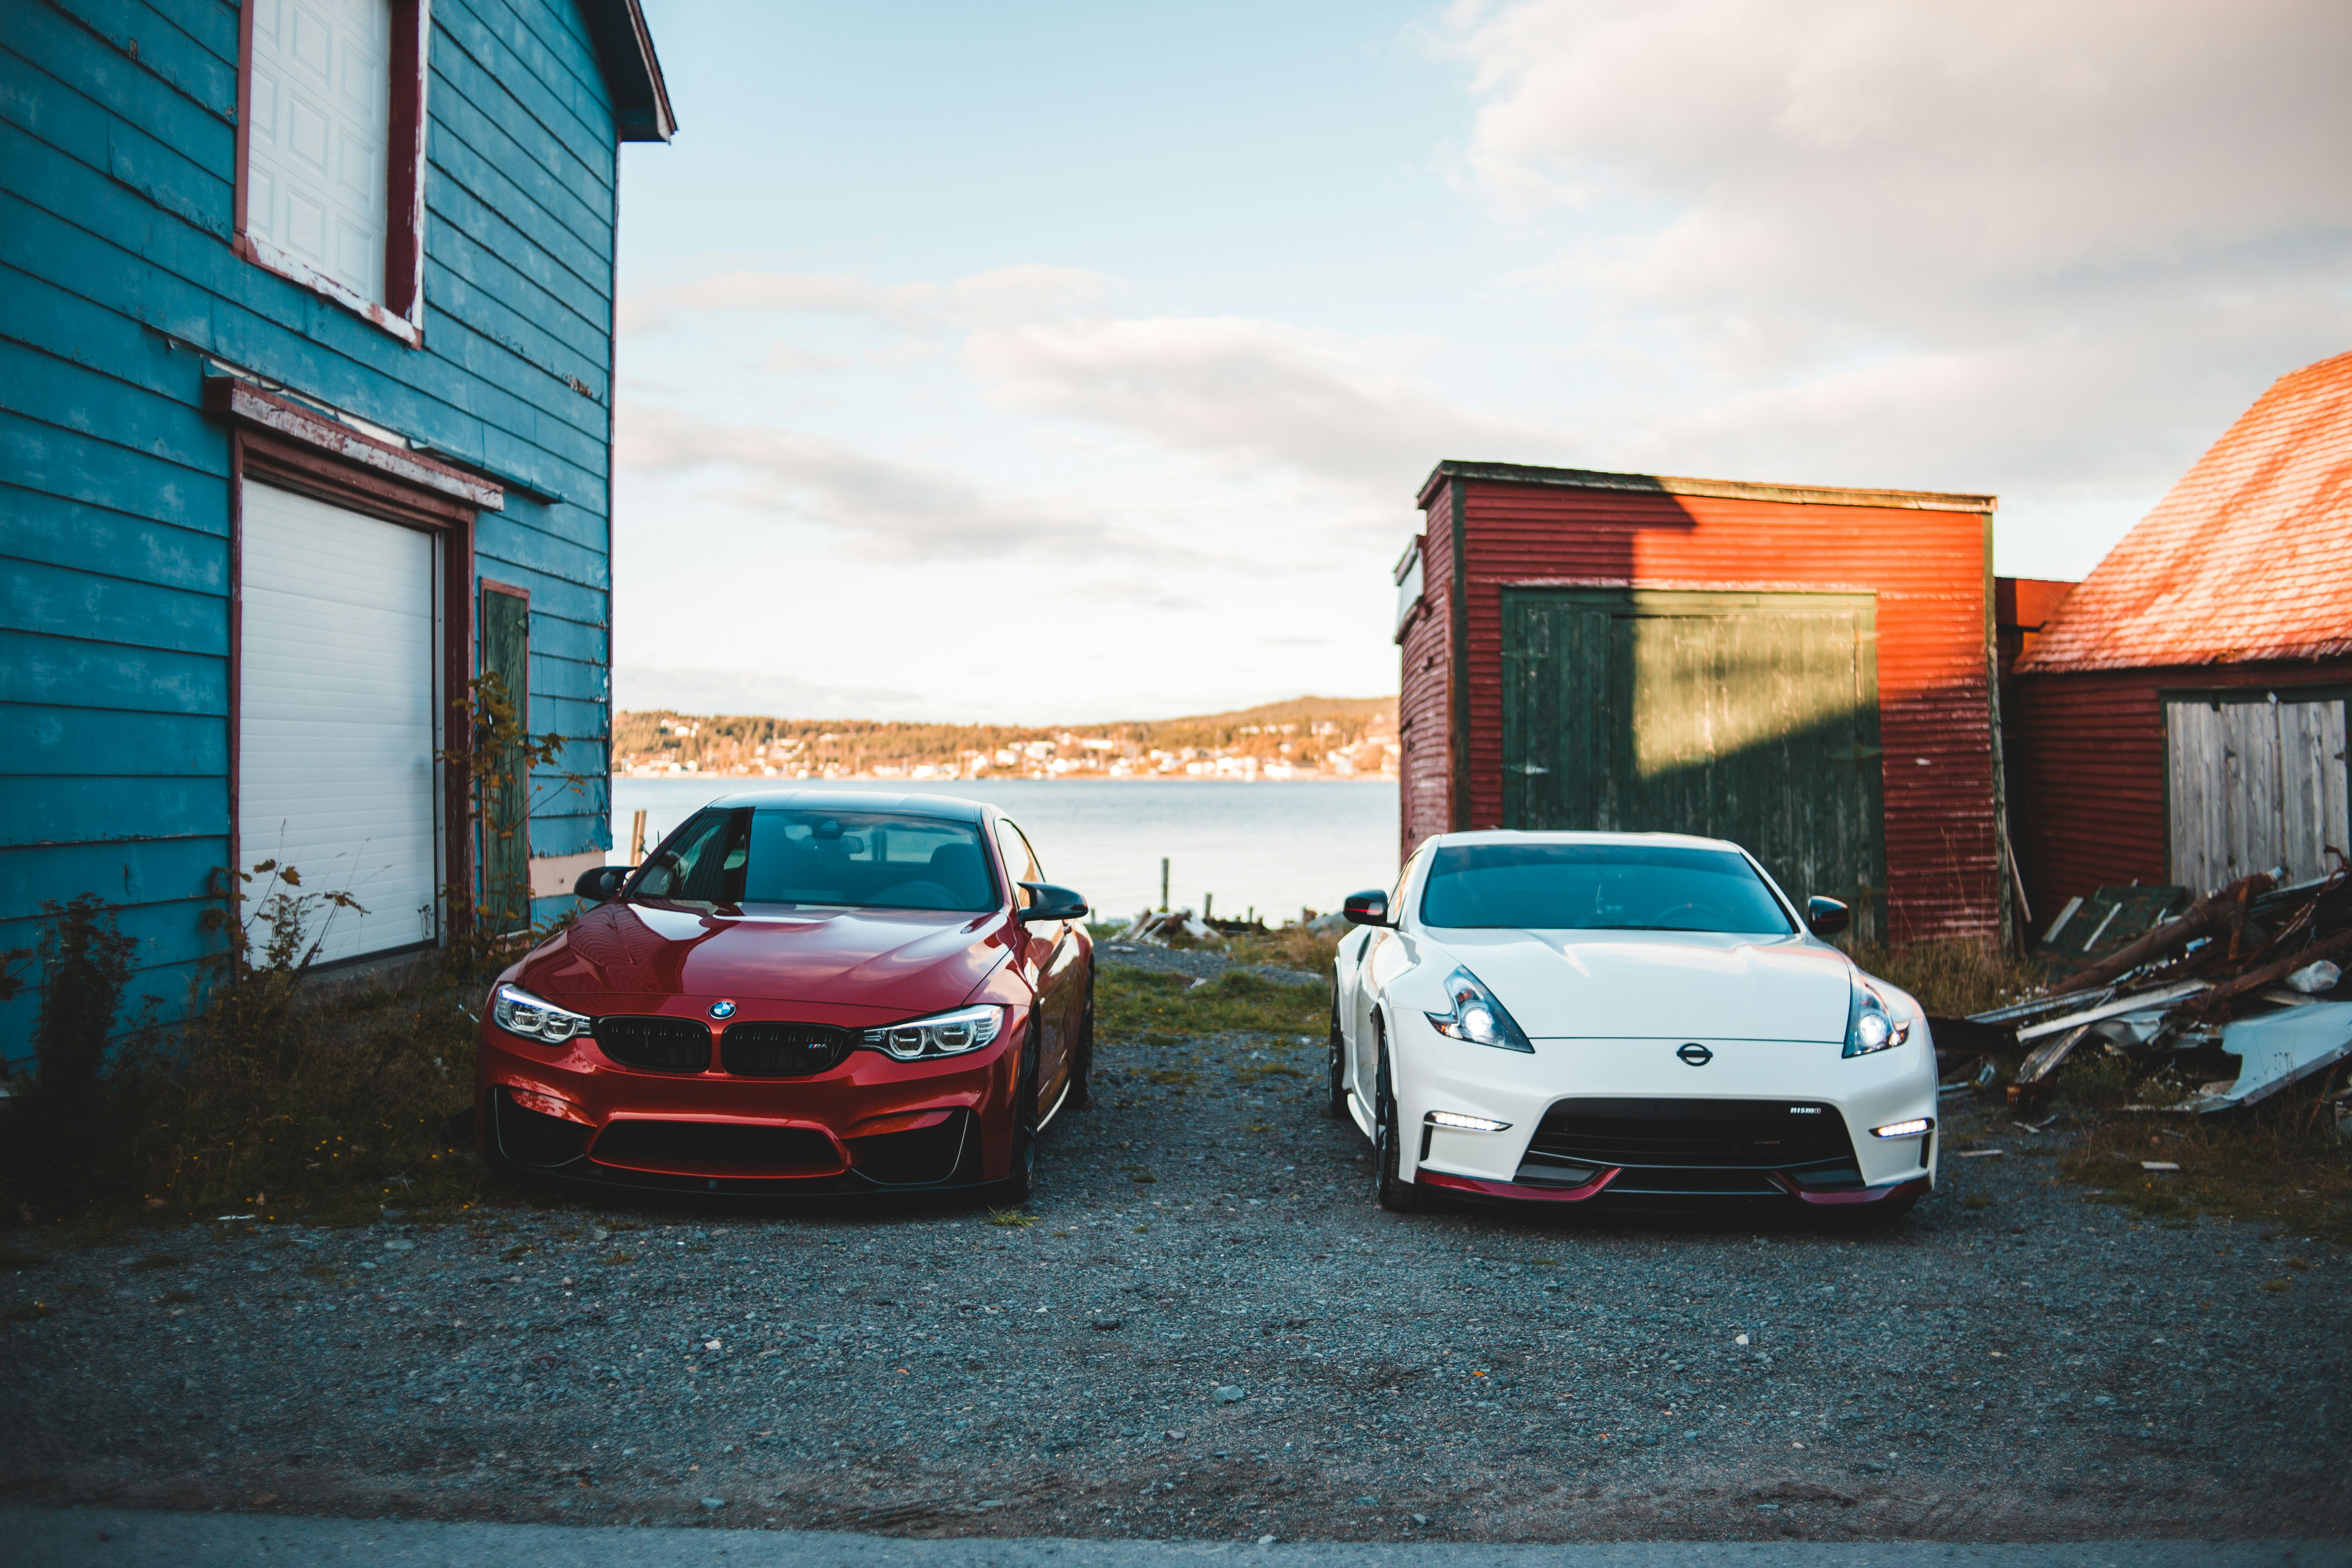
1477 1018
1455 1118
947 1034
1871 1025
518 1011
1911 1128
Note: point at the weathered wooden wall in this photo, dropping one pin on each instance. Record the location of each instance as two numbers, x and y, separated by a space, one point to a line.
117 279
1424 790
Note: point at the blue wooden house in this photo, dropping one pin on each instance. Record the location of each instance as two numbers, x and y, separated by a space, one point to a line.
306 421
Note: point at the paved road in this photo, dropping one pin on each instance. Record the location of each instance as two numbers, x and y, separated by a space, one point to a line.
89 1538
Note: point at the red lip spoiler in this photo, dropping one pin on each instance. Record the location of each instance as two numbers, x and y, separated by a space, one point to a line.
1487 1189
1862 1195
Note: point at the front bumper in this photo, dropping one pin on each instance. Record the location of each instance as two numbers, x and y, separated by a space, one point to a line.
870 1124
1629 1123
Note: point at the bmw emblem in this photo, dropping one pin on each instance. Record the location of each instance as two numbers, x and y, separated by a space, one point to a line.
722 1009
1698 1056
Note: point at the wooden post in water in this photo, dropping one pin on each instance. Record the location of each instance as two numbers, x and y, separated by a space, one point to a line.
1163 884
637 839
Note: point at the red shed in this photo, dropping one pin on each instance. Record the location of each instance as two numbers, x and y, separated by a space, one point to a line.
2181 718
1807 671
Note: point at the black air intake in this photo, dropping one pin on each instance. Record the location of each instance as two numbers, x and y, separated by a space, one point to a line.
715 1145
654 1045
762 1049
1691 1134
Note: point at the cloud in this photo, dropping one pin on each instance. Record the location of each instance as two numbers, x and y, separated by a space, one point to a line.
881 509
2047 245
1847 154
638 687
1249 393
1026 291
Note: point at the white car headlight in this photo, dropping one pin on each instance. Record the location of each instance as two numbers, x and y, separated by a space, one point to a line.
943 1035
1871 1025
1477 1018
518 1011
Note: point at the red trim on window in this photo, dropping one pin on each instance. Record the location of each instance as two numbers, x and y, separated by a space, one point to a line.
404 247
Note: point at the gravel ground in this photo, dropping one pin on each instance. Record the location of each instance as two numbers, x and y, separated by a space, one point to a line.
1210 1331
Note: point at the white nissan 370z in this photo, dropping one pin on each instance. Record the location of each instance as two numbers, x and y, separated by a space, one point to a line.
1623 1019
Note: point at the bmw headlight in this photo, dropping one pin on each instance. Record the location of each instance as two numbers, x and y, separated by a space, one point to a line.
1477 1018
1871 1025
518 1011
943 1035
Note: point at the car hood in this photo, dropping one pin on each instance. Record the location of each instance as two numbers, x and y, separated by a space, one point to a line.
1696 985
902 961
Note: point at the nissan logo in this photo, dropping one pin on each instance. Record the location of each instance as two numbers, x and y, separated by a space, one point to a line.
1698 1056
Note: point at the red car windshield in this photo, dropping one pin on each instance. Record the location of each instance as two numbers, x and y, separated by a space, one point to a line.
742 856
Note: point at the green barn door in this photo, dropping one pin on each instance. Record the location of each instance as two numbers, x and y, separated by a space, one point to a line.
506 796
1751 717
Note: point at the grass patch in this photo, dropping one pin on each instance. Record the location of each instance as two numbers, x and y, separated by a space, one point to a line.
1953 979
28 1311
1294 947
157 1260
1011 1219
1152 1007
616 1259
517 1253
17 1257
176 1298
2279 1164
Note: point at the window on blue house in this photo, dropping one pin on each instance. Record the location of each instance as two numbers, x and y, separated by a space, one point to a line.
331 151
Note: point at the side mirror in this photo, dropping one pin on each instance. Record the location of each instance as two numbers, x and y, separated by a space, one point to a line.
601 884
1368 907
1049 902
1827 916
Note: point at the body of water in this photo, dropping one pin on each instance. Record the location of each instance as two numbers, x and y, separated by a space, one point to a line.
1276 846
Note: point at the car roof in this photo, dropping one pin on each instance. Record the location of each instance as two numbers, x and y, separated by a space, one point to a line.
1551 836
953 808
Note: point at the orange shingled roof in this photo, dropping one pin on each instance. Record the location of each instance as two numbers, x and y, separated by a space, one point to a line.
2250 556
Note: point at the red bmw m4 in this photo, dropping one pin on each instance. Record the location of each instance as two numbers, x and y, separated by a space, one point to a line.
799 991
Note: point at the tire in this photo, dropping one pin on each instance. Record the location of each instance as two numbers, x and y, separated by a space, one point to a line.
1396 1194
1335 1069
1021 1171
1082 1059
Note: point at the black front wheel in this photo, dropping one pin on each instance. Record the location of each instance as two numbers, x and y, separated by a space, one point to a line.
1396 1194
1336 1069
1021 1172
1082 1056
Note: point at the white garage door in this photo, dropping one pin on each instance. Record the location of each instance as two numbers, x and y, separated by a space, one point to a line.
335 718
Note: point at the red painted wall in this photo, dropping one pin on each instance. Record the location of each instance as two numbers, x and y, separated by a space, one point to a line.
1425 798
1929 568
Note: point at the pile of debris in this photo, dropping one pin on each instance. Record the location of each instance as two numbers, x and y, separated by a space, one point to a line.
2233 999
1156 926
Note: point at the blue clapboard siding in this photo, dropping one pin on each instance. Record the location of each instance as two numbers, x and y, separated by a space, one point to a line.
117 282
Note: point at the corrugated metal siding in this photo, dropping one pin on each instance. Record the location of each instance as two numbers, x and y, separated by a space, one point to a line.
1928 569
2093 765
117 164
1425 789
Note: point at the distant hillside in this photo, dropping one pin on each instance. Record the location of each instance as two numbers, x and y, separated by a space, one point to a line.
1308 737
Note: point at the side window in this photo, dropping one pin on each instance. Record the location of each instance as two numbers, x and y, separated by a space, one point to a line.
1396 896
703 864
1018 860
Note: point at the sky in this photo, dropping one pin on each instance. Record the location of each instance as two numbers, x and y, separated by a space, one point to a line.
1043 362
